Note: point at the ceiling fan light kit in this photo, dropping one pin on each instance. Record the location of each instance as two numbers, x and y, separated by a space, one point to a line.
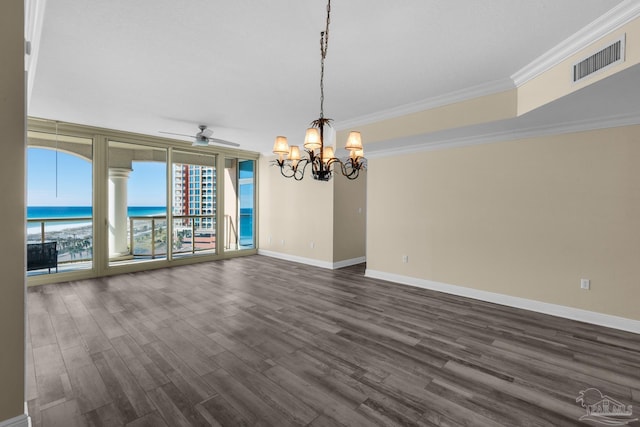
321 158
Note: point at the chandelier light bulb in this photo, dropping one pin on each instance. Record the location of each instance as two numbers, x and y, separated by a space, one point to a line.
327 154
356 154
312 139
354 141
294 155
280 146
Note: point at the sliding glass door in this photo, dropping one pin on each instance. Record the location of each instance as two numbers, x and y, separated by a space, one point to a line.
239 196
104 202
137 211
59 203
194 203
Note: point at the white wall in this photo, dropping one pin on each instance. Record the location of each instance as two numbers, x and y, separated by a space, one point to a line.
526 218
311 221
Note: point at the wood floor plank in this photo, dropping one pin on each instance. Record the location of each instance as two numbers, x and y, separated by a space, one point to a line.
315 398
237 342
105 416
30 373
89 388
134 392
49 368
150 420
91 335
65 414
185 350
188 410
136 330
286 403
169 411
244 400
218 411
41 329
65 329
109 325
117 395
248 355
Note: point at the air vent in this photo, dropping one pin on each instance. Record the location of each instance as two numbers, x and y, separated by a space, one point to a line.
607 57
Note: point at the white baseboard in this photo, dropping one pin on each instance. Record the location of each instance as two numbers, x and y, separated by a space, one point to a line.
19 421
349 262
586 316
311 261
295 258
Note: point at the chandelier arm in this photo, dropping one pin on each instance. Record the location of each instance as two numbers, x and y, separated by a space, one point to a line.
352 171
332 161
351 168
299 172
304 163
289 171
354 174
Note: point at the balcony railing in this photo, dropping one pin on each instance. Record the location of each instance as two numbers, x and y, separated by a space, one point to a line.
191 234
147 236
74 237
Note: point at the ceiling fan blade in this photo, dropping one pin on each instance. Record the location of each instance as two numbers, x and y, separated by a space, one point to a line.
179 134
222 141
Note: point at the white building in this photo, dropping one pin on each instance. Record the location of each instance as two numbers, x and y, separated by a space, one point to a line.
194 193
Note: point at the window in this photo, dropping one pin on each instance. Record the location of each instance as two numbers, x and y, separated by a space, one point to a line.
239 204
194 229
59 203
137 214
153 201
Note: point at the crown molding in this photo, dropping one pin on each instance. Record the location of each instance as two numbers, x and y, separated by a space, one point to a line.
429 103
607 23
419 143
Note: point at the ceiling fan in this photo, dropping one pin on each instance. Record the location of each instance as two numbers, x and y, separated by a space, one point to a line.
203 138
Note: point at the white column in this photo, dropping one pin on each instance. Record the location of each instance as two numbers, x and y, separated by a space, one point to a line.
118 242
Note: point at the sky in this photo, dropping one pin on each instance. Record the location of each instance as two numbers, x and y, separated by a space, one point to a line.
146 186
65 181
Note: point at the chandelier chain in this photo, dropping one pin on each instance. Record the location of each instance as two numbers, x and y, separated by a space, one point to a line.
324 43
320 158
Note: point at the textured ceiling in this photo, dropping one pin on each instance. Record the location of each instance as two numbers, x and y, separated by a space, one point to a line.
250 69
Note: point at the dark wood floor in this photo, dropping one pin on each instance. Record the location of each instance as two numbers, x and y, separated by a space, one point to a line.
259 341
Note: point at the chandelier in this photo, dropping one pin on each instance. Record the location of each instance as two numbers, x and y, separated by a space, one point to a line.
321 158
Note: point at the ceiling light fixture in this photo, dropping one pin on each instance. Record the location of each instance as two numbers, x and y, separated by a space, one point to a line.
320 157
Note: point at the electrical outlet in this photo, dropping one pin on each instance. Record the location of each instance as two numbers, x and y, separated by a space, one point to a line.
585 284
269 239
405 258
282 241
312 245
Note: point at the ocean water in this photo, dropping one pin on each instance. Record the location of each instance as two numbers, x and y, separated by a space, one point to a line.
71 212
246 226
46 212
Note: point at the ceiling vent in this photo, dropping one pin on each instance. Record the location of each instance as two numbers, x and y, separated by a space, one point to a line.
601 60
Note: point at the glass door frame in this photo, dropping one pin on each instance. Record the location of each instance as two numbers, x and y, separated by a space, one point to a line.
101 138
